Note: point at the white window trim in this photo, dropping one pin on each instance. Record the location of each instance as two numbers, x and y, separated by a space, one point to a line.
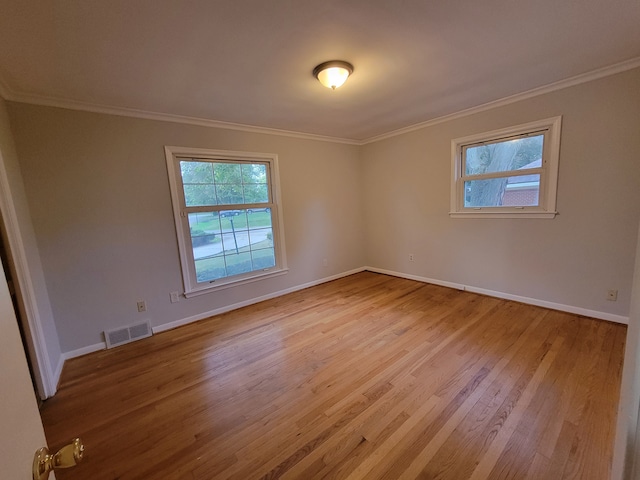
548 172
191 287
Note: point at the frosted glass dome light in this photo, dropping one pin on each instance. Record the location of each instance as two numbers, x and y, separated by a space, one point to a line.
333 74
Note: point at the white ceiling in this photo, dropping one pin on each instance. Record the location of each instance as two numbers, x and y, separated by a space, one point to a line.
249 61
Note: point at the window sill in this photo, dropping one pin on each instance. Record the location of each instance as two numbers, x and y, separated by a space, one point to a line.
494 214
213 287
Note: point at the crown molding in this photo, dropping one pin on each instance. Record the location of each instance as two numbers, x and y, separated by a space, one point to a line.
8 94
552 87
166 117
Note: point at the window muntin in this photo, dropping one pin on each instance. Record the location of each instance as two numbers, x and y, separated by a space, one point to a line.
227 217
231 242
507 173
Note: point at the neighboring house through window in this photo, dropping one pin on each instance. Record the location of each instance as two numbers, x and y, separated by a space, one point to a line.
228 219
511 172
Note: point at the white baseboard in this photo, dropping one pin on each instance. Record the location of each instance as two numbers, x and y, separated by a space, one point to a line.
84 351
73 354
552 305
251 301
507 296
417 278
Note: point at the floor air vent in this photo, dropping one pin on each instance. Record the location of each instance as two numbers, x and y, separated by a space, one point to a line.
120 336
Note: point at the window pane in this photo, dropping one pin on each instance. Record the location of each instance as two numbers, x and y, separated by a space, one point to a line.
228 194
211 268
211 183
261 238
208 222
504 156
196 172
515 191
227 173
227 215
199 195
231 242
256 193
234 241
238 263
259 217
263 258
254 173
206 240
197 180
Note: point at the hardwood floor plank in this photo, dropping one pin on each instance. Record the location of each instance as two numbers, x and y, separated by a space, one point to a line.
498 448
563 447
447 444
366 377
595 436
470 434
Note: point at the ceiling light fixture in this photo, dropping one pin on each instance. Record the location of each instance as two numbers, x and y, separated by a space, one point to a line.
333 74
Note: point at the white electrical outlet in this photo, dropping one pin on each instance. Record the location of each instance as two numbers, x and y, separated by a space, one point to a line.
411 257
142 306
175 297
612 295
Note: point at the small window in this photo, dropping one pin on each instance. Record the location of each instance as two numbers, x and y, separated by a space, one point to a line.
508 173
227 214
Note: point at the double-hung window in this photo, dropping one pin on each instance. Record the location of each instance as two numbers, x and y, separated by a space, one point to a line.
227 214
511 172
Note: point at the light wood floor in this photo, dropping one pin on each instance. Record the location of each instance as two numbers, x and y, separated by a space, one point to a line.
367 377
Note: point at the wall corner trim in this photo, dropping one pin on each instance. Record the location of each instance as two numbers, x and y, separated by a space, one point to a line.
43 369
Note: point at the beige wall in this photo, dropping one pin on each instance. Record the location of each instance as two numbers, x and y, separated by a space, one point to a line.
99 196
571 260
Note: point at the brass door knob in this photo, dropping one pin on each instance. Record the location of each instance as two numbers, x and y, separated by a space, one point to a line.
66 457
